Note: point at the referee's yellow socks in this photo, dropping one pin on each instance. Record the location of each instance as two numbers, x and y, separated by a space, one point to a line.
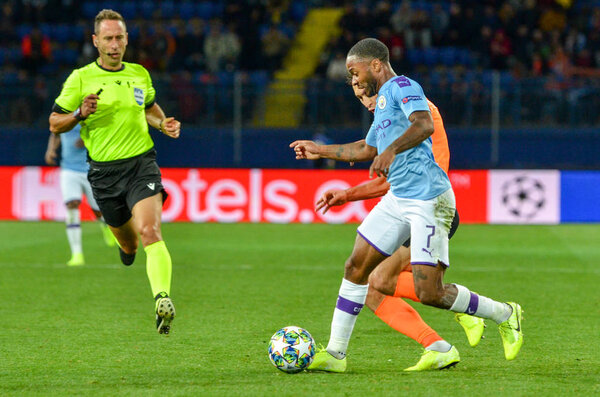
158 267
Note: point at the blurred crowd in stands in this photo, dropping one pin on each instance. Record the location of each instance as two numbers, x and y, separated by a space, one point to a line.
190 45
47 36
527 37
541 55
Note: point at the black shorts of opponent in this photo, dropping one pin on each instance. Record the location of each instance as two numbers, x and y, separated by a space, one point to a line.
453 227
118 185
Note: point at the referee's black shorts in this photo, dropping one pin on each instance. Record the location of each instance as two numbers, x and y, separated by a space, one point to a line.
453 227
118 185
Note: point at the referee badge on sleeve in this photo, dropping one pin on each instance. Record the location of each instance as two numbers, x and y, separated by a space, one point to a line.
138 94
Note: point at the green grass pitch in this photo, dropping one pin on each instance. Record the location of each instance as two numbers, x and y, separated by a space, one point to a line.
90 330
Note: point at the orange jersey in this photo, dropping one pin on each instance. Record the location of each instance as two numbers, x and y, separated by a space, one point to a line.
439 139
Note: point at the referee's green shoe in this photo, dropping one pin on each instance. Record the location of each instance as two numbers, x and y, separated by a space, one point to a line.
323 361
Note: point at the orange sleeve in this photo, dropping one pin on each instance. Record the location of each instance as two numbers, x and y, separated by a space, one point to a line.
439 139
374 188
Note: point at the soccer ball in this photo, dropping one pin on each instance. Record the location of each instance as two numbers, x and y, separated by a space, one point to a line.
291 349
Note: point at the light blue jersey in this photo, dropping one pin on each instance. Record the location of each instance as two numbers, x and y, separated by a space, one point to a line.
414 173
72 157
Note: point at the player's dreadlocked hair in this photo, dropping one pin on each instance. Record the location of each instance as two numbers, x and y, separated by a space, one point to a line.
370 49
107 15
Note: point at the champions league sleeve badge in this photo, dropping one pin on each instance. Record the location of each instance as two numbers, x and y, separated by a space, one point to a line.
381 102
138 94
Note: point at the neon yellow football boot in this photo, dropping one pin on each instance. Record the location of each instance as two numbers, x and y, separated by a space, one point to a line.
473 327
76 260
431 360
511 332
323 361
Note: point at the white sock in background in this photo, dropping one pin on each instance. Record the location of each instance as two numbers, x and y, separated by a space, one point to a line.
74 230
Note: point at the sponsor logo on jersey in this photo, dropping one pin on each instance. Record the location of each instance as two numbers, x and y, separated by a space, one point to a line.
381 102
138 94
379 129
402 81
409 98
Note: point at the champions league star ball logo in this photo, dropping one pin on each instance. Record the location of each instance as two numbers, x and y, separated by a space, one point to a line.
523 196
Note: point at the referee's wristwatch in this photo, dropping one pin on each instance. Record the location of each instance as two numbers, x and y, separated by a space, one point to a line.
77 114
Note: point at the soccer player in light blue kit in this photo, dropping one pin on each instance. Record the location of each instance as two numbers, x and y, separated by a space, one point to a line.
420 204
74 183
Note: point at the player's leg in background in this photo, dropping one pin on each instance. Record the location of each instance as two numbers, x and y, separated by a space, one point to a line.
392 280
394 311
71 193
147 222
399 315
73 223
109 238
393 276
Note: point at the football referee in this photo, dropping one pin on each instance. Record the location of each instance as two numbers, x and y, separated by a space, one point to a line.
114 103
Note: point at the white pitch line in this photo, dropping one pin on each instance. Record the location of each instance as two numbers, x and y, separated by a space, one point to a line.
61 266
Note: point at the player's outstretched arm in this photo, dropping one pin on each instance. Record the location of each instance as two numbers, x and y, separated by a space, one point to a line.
331 198
334 197
167 125
51 150
349 152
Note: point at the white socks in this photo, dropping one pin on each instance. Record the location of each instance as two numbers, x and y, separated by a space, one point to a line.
480 306
350 301
439 346
74 230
